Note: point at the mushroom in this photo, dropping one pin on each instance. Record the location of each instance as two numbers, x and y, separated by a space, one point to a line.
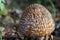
36 20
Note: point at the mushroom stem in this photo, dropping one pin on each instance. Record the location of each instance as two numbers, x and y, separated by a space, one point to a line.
51 37
42 38
47 37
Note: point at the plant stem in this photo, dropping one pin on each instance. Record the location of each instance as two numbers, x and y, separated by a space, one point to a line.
0 35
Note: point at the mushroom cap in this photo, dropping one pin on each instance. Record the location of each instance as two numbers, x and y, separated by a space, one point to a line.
36 20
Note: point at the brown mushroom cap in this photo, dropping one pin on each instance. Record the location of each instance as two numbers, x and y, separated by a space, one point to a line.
36 21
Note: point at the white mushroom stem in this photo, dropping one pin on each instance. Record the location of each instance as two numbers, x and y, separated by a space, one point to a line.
51 37
42 38
47 37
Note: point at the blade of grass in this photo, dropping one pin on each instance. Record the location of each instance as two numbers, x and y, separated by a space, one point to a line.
53 9
0 35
